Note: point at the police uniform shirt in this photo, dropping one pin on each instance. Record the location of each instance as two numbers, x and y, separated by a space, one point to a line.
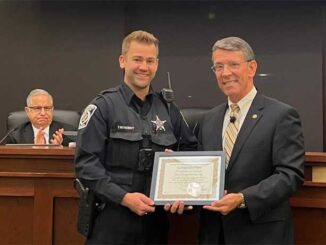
94 139
186 139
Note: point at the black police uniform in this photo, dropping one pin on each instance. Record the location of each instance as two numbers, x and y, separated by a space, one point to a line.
117 137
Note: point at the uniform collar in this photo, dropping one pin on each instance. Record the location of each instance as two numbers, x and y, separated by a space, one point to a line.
129 95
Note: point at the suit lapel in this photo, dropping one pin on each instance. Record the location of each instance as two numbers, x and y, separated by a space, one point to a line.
253 116
211 133
218 140
52 130
28 134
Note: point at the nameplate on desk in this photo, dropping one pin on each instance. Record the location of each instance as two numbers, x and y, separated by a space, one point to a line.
72 135
319 174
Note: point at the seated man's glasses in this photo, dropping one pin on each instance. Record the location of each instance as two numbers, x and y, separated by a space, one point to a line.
40 108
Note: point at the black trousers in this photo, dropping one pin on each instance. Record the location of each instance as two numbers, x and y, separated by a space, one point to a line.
116 224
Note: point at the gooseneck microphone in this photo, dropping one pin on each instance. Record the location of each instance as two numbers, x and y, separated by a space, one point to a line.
232 119
7 134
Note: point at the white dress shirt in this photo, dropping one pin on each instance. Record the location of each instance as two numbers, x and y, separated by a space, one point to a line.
244 105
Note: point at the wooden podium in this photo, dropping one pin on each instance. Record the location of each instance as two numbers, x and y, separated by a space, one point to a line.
38 204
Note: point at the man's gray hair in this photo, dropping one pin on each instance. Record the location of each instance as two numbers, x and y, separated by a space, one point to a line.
35 92
235 44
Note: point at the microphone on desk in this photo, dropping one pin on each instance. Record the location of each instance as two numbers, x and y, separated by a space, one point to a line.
232 119
7 134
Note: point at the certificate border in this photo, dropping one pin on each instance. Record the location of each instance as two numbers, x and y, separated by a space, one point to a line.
197 201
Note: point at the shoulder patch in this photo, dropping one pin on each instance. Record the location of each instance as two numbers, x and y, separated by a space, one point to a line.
87 114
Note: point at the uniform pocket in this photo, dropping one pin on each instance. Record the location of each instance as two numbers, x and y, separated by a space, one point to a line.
166 139
123 149
129 136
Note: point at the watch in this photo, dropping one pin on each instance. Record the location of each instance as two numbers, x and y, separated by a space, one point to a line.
243 203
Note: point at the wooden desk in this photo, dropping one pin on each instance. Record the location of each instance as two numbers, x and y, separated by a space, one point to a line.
309 205
38 204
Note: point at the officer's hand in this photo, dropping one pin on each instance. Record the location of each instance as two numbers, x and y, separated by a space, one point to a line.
138 203
57 137
177 206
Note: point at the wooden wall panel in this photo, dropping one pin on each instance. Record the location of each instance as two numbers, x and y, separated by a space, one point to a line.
310 225
65 215
16 220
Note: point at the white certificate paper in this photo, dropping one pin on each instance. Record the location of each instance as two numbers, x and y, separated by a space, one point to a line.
197 178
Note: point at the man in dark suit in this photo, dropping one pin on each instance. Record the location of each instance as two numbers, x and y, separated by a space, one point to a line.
41 129
263 142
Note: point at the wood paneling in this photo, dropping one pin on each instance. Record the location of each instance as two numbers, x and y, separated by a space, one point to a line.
309 204
67 208
38 204
16 220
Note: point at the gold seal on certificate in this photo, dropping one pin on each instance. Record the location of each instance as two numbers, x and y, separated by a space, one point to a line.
195 177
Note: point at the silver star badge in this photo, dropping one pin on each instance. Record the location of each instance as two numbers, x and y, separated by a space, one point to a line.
159 125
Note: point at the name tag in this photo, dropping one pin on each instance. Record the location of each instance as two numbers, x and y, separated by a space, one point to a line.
121 128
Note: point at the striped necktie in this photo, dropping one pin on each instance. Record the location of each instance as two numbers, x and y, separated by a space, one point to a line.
231 132
40 137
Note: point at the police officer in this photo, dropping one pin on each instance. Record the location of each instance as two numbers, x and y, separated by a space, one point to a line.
118 134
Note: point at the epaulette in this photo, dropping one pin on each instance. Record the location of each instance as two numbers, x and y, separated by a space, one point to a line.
110 90
105 92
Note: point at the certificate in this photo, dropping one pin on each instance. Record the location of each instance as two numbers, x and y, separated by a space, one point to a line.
195 177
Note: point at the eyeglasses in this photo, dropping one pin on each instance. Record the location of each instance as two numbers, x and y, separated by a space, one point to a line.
38 109
232 66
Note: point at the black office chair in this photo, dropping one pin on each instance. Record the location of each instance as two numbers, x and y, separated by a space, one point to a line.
65 116
193 116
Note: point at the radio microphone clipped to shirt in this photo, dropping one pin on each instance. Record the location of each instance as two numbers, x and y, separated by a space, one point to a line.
232 119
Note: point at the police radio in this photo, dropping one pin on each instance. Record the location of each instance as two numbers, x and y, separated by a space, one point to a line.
168 93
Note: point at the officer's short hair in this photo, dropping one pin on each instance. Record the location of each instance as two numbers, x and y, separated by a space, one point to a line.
141 37
235 44
35 92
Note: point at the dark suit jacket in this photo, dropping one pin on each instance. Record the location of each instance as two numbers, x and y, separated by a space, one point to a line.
24 134
266 166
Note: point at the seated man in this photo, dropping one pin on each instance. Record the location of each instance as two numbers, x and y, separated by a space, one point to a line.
40 129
